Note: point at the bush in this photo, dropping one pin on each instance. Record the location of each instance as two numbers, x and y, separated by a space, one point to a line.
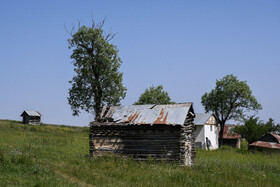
244 145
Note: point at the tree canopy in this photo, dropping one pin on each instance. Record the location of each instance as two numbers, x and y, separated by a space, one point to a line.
253 129
229 100
154 95
96 64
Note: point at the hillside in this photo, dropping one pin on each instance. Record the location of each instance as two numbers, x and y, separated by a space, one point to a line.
50 155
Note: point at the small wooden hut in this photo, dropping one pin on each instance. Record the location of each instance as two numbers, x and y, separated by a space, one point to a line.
31 117
164 132
269 143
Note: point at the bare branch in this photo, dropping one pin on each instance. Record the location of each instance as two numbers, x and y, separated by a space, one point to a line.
92 21
79 24
71 32
102 23
110 36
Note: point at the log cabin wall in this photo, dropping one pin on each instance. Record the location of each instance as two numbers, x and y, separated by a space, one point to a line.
35 120
159 141
25 119
187 141
162 142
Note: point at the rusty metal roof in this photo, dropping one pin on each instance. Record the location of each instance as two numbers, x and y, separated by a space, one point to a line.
119 112
275 136
228 133
150 114
266 144
31 113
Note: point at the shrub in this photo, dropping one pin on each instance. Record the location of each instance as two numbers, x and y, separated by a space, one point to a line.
244 145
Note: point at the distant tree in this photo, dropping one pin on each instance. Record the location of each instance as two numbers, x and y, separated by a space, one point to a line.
97 81
277 131
230 99
253 129
272 127
154 95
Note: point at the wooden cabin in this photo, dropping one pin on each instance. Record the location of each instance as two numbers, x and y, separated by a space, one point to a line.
31 117
206 126
269 143
163 132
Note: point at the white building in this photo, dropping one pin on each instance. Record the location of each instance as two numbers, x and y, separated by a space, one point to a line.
206 126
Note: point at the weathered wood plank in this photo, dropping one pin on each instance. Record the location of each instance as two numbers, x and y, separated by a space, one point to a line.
145 141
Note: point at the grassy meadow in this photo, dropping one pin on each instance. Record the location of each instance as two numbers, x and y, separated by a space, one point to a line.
50 155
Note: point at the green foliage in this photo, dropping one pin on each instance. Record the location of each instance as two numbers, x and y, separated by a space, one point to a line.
230 99
154 95
98 80
244 145
272 127
54 156
253 129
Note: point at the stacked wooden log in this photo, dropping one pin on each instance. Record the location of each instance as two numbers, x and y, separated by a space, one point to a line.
162 142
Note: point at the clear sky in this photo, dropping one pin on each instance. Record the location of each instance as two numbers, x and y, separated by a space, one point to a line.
183 45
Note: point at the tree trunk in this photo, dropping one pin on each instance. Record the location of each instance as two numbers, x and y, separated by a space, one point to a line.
97 109
221 133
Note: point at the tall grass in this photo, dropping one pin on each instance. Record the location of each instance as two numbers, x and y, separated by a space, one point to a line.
49 155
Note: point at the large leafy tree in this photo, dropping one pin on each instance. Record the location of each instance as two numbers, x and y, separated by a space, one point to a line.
154 95
97 80
229 100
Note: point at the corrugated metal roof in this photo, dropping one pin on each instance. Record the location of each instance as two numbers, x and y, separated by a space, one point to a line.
266 144
150 114
31 113
275 136
228 134
121 112
174 105
201 118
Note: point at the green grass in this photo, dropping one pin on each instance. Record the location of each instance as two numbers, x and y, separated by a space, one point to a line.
49 155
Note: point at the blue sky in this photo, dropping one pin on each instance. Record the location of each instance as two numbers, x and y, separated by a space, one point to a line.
183 45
